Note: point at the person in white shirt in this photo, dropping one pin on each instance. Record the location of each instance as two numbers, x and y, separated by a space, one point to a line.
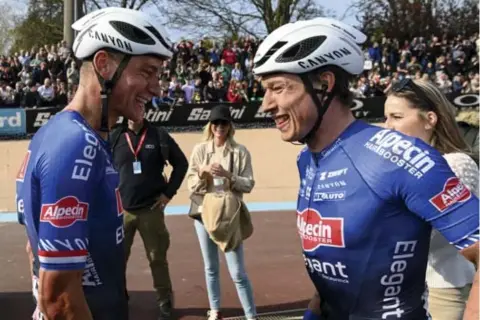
47 92
418 108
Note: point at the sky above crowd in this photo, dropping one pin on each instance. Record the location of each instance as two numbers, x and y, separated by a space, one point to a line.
339 7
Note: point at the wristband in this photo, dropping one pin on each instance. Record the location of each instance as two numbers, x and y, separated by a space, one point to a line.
309 315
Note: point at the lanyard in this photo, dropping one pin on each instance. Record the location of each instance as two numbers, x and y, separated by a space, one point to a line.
140 143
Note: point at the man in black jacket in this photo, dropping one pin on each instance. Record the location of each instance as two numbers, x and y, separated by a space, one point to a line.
140 153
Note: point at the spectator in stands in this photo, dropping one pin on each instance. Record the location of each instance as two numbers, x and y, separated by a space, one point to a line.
73 74
237 73
40 74
421 110
3 92
451 63
64 51
19 93
61 96
210 93
56 67
47 93
229 56
32 98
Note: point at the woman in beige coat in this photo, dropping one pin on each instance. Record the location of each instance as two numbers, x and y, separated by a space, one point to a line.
211 161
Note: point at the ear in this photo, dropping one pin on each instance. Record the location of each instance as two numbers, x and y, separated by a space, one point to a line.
431 120
327 81
104 64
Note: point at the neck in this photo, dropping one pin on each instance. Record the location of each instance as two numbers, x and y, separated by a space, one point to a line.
136 127
218 142
330 129
89 105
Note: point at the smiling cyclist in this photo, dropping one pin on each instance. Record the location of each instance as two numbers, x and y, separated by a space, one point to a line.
67 188
369 196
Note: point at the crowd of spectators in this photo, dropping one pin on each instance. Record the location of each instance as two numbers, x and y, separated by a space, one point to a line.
452 64
218 71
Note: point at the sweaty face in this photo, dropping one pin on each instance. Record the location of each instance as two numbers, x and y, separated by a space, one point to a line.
290 105
400 116
220 129
137 86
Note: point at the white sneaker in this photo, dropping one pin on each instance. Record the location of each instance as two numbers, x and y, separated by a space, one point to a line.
214 315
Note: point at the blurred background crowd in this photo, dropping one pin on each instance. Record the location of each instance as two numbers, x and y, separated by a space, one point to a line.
221 71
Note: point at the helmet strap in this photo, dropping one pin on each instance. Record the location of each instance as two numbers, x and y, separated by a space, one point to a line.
106 90
321 103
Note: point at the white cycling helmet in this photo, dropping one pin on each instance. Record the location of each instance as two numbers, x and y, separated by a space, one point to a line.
125 30
303 46
128 31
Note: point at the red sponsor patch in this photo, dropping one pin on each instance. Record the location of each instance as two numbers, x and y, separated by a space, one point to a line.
316 231
119 202
23 168
454 191
65 212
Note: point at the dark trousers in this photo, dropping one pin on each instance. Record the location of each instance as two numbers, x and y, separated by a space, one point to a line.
156 240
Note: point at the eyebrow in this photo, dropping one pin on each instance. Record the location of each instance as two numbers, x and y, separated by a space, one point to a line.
272 83
395 112
150 67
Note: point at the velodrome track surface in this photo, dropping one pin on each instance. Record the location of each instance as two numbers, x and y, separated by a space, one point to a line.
272 255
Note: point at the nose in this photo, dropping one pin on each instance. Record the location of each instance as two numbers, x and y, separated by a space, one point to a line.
388 124
268 103
154 88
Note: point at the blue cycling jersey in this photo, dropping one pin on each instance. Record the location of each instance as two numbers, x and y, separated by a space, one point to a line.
67 197
365 211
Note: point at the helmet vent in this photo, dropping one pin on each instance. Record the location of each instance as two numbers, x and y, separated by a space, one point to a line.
301 49
159 37
132 33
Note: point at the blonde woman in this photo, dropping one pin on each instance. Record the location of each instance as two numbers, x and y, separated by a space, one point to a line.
418 108
212 159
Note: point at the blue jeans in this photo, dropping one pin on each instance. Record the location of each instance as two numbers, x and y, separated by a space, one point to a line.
236 268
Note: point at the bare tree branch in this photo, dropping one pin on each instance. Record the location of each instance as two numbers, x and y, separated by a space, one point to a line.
246 16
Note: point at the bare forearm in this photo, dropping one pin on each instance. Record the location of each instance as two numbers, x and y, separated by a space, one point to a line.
471 309
65 308
61 297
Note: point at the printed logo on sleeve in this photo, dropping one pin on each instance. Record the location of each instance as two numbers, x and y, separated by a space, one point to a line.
454 191
316 231
23 168
65 212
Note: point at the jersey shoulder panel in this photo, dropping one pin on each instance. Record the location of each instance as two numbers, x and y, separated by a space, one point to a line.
69 148
408 171
384 158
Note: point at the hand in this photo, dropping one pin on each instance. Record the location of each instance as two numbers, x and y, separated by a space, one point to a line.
218 170
314 306
205 170
162 202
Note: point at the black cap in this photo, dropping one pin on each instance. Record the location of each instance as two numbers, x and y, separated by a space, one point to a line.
220 112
